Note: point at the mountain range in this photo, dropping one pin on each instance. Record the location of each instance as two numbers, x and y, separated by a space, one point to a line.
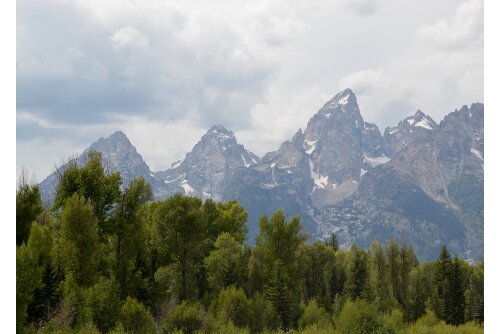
420 182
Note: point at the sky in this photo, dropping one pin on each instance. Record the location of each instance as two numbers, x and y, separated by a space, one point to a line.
164 72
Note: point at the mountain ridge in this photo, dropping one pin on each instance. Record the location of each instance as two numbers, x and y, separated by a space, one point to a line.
337 168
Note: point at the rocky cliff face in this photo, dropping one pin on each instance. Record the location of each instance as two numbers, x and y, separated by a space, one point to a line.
209 167
429 194
118 154
420 182
411 129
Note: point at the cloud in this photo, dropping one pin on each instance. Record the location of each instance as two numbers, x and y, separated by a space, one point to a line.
442 69
463 31
129 37
165 71
160 66
362 7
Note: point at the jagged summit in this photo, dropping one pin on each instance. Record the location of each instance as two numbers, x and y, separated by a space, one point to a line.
413 128
219 129
339 174
342 103
118 135
209 166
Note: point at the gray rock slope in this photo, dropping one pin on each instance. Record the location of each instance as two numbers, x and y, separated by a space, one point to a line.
420 182
118 154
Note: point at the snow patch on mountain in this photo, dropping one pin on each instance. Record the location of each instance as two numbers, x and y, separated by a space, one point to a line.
344 100
375 161
310 146
424 124
187 188
476 153
319 180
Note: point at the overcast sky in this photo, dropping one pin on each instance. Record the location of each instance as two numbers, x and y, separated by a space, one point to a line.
165 71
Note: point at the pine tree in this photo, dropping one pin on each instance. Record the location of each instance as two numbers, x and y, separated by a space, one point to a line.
416 296
357 274
457 294
333 242
280 295
440 286
378 271
393 269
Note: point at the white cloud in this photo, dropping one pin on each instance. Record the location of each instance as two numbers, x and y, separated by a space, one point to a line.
129 37
442 69
165 71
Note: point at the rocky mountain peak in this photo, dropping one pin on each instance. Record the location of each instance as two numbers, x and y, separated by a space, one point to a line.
413 128
210 165
341 105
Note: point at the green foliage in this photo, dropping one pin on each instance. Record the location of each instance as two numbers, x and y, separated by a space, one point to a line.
275 265
320 262
430 324
279 293
36 279
101 303
79 240
262 314
135 318
232 304
28 278
180 229
186 317
232 219
474 310
358 317
357 274
28 207
227 264
128 226
111 261
93 183
314 315
448 289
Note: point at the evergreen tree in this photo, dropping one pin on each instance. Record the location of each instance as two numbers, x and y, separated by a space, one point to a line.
333 242
378 271
393 269
280 294
416 296
441 289
475 295
356 285
457 294
407 261
320 257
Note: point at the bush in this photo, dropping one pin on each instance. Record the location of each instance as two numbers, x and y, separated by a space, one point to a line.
313 314
135 318
101 304
233 304
186 317
262 314
358 317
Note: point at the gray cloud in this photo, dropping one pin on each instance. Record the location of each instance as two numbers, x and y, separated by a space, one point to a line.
163 72
74 69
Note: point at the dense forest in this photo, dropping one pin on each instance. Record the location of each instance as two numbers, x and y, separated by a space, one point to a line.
106 259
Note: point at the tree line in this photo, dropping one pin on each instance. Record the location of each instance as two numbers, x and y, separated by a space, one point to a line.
103 259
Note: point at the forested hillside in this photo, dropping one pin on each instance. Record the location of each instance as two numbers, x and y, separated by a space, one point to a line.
106 259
